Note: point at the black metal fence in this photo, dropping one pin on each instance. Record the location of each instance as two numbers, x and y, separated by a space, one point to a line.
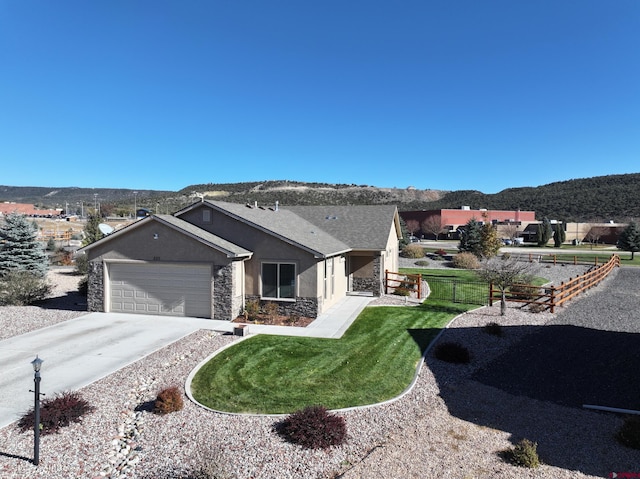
446 288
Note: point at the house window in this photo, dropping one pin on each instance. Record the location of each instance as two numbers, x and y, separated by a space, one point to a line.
206 216
279 280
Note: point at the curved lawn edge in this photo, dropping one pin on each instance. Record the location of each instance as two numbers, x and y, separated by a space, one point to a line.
406 391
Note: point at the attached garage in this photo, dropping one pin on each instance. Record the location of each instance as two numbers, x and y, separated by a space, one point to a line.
168 289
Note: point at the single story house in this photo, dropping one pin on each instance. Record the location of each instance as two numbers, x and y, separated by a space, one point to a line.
210 258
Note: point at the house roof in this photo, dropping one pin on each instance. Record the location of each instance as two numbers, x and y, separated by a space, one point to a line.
230 249
285 225
362 227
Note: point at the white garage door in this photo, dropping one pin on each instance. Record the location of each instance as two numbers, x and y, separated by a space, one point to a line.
165 289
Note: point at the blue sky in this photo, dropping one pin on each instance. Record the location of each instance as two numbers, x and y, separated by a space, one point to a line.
446 95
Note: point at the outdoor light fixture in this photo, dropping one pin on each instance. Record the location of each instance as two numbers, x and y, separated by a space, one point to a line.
37 364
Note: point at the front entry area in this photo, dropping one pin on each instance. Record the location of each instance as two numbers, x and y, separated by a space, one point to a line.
168 289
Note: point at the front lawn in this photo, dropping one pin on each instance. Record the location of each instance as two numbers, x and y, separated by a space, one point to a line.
375 360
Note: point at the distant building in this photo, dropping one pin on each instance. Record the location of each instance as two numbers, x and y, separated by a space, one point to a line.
7 208
453 219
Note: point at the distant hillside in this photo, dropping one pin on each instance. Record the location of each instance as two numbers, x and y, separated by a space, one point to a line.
602 198
50 197
298 193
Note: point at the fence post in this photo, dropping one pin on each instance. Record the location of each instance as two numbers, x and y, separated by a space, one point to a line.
386 281
491 293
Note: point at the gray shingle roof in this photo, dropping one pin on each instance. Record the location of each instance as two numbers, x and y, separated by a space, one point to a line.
286 225
364 227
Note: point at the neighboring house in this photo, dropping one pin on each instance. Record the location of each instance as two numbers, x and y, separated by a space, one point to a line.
211 257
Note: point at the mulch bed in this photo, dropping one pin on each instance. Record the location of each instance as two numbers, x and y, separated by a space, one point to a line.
299 321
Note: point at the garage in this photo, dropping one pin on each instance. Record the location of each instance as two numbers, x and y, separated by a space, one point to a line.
169 289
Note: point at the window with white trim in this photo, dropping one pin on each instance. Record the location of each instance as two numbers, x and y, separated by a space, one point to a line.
279 280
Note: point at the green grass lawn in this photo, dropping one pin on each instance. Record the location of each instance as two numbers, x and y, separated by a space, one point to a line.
375 360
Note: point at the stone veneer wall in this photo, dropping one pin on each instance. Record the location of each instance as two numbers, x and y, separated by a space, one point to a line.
307 307
95 293
223 301
374 284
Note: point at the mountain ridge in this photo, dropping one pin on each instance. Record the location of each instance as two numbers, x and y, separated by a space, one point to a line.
600 198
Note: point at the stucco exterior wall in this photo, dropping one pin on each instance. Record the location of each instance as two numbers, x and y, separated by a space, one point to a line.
156 242
265 248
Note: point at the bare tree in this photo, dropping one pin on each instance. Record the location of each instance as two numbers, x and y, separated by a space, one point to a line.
504 273
510 230
433 224
413 226
594 233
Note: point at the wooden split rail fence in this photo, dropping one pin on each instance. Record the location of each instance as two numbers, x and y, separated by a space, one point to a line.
403 284
553 296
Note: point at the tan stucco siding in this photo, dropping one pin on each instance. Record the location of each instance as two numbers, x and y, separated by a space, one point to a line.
156 242
265 248
392 252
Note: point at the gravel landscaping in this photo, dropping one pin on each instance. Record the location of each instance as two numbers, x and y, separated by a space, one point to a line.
451 424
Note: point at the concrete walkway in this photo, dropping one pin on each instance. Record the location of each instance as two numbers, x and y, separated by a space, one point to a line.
82 350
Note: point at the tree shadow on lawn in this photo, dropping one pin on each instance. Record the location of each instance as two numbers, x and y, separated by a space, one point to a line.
548 375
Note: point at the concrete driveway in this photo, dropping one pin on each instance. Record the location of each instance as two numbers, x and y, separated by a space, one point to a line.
80 351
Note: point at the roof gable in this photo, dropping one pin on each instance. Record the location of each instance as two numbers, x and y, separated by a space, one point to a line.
283 224
230 249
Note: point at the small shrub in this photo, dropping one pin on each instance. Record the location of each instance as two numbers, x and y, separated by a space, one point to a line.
56 412
20 288
252 309
441 252
523 291
466 260
271 309
313 428
168 400
537 307
412 251
493 329
629 433
421 262
81 264
524 454
400 291
452 353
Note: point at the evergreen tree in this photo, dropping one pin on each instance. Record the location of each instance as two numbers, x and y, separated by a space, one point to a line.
544 232
490 243
471 238
92 232
20 249
559 235
630 239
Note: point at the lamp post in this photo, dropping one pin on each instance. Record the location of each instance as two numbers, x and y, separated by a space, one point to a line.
37 364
